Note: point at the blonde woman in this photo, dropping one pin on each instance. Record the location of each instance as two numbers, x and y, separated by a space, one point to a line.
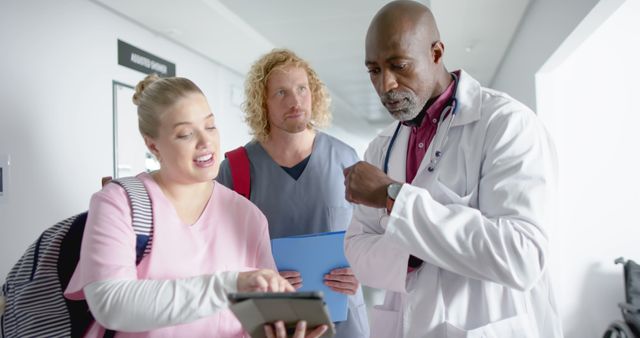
203 233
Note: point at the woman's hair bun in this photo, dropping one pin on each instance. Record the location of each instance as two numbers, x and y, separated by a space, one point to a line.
142 85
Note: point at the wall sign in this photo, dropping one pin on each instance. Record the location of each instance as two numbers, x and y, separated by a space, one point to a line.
142 61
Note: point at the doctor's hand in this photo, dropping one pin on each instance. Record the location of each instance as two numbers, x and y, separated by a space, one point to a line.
342 280
366 184
293 277
278 330
264 280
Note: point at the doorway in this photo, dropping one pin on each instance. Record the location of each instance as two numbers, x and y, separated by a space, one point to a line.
130 155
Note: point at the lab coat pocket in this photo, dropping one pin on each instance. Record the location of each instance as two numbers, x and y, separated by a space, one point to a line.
513 327
443 194
360 316
385 323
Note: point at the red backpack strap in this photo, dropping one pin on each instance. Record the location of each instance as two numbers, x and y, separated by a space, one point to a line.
240 174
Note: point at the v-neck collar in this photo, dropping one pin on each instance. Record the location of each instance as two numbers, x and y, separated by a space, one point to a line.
165 200
278 168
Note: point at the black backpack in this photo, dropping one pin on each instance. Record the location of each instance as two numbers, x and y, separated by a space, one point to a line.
33 290
630 328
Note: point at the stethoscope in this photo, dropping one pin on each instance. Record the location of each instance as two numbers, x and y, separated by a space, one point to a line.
437 154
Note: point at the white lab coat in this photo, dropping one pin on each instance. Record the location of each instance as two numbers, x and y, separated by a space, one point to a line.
477 222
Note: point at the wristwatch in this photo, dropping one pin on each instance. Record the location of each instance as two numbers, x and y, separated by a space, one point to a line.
393 190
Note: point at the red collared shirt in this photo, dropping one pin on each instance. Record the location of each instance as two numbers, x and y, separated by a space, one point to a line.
422 135
419 141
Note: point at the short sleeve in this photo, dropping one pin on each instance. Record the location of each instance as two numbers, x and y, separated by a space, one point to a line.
108 243
224 175
353 156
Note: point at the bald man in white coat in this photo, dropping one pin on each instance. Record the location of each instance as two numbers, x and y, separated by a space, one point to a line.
453 199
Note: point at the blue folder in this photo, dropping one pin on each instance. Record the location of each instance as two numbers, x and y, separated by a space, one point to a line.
314 256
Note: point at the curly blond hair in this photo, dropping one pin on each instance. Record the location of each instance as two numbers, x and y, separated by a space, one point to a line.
255 88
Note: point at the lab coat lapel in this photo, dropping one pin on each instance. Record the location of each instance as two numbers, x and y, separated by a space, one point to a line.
469 103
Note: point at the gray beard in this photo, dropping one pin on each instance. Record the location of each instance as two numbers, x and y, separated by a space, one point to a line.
405 114
408 113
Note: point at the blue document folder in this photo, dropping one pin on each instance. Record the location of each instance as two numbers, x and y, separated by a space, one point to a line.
314 256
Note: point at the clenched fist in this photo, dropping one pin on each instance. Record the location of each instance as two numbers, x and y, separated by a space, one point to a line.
366 184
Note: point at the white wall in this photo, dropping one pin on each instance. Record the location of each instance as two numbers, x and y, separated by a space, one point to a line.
58 62
545 25
587 94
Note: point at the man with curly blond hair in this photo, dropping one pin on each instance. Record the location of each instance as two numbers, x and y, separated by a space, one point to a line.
289 157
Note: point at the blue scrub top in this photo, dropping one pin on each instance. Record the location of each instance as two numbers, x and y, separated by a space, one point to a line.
313 203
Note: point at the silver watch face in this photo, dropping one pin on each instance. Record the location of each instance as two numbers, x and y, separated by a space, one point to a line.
393 190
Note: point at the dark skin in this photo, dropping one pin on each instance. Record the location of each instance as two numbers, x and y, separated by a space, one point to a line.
404 60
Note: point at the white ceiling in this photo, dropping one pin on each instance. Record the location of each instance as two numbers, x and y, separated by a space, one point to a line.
329 34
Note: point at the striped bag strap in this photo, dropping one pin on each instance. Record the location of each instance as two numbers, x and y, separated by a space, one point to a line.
142 220
142 214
